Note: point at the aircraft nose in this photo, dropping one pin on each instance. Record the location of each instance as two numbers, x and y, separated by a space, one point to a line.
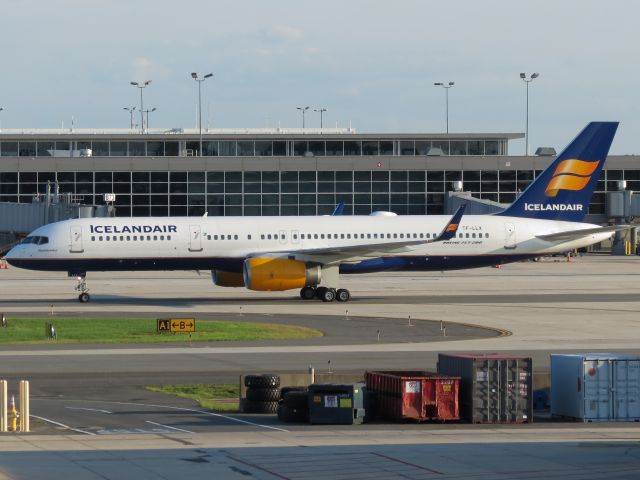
12 254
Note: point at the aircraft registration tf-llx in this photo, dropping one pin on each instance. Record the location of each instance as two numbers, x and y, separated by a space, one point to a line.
310 253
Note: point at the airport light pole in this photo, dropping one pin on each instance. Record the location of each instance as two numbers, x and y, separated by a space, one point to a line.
303 110
446 87
141 86
523 76
130 110
1 109
194 75
321 110
147 112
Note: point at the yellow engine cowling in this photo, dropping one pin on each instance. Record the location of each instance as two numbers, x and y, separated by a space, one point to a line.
277 274
227 279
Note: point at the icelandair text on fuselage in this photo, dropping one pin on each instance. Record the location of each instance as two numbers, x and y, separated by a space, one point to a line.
133 229
560 207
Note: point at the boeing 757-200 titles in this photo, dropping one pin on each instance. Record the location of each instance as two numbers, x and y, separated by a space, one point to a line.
310 253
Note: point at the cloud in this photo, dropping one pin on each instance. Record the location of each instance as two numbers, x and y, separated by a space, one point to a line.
145 69
288 34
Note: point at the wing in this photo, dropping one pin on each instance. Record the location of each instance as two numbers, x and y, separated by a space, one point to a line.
575 234
369 250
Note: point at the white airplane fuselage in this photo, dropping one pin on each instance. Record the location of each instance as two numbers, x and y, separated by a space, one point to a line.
223 243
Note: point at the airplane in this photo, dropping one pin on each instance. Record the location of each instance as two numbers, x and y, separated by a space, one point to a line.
310 252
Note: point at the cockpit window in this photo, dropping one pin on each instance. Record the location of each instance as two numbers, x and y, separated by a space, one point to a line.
36 240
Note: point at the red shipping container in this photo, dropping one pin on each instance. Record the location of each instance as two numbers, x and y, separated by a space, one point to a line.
410 395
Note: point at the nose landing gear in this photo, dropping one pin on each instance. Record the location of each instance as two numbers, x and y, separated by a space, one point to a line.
84 296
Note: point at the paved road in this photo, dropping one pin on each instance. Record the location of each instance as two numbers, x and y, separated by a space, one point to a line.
588 305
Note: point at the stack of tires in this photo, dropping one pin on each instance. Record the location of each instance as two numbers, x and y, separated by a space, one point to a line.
263 392
294 405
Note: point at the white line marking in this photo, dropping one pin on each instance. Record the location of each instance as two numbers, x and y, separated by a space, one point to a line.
204 412
62 425
169 427
89 409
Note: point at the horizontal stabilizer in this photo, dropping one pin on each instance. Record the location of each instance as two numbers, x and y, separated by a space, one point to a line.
575 234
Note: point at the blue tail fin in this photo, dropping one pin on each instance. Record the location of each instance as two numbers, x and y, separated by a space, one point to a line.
563 191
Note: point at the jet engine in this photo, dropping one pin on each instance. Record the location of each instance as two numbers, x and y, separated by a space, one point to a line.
227 279
277 274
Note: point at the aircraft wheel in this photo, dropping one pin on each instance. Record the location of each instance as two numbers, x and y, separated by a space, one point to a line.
329 295
343 295
320 292
84 297
308 293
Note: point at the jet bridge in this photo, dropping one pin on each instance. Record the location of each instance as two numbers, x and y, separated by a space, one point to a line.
18 219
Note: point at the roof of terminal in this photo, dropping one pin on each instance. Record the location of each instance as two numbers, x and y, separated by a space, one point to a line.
254 133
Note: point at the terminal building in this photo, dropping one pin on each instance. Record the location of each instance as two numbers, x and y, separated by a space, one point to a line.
177 172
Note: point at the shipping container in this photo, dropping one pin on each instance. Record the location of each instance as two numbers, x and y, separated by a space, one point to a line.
411 395
493 388
336 404
596 387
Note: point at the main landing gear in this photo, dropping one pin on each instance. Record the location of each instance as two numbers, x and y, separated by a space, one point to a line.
325 294
84 296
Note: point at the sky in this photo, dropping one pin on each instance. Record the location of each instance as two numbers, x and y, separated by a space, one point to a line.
371 64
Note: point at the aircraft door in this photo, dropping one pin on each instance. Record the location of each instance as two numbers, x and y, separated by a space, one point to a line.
509 235
195 238
76 240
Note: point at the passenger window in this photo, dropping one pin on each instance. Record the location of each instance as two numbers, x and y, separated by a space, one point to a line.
375 235
142 238
402 235
269 237
486 235
262 237
162 237
295 236
249 237
473 235
128 238
322 235
148 238
208 237
168 237
135 238
315 235
348 235
395 235
368 235
108 238
215 237
93 239
100 238
422 235
122 238
155 238
235 237
467 235
460 235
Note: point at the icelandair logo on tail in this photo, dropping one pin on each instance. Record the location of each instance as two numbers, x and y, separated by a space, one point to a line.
452 228
570 174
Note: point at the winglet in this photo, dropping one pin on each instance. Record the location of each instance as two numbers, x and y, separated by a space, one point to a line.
451 228
338 210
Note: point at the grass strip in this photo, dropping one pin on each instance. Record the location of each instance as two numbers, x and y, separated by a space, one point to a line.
20 330
223 397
